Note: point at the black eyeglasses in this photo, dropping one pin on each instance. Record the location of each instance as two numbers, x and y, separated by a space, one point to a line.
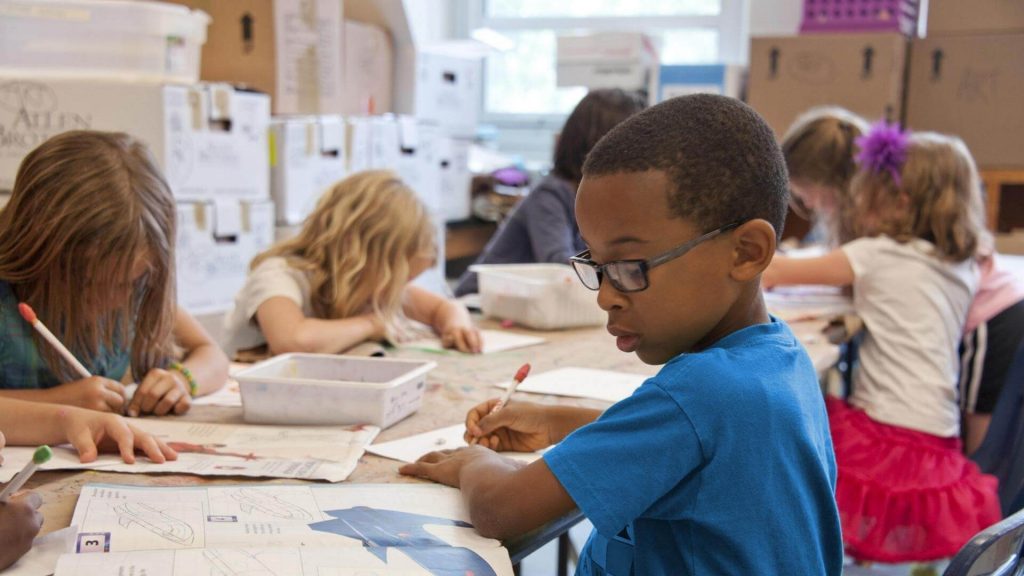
631 275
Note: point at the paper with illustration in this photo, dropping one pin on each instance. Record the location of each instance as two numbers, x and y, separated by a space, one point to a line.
494 341
582 383
310 453
410 448
279 529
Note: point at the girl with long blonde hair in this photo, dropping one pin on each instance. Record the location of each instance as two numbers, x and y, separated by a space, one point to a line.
87 240
345 278
905 490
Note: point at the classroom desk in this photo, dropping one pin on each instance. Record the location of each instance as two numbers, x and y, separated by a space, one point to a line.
457 384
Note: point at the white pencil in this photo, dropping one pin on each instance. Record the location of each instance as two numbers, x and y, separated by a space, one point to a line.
30 316
520 376
39 457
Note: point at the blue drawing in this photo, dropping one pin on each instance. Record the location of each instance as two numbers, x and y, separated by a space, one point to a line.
383 529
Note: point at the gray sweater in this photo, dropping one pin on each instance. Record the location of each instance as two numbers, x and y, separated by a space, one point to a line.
541 229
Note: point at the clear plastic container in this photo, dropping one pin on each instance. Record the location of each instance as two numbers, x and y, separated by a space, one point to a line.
540 296
330 389
150 41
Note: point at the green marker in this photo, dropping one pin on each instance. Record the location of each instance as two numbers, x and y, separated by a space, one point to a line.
41 456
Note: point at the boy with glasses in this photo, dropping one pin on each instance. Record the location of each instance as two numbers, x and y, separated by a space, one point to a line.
722 462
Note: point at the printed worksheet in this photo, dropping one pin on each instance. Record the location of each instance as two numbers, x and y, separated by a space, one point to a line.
582 383
494 341
420 529
810 302
410 448
310 453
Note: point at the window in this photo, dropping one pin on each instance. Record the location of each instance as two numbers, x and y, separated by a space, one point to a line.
519 85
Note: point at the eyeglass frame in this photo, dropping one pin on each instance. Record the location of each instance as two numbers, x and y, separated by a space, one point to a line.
583 258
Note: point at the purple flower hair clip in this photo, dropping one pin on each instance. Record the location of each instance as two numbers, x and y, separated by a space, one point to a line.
884 149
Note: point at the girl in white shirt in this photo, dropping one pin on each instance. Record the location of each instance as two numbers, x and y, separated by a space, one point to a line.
905 491
345 278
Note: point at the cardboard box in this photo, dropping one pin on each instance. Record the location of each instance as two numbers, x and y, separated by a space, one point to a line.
861 72
307 157
971 86
1012 243
288 49
962 17
368 69
216 242
607 60
680 80
209 139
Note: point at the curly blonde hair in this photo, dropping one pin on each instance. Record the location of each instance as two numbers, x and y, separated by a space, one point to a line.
357 244
938 198
86 208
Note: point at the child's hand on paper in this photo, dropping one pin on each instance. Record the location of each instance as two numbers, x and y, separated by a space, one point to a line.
161 392
517 427
444 466
463 338
20 521
92 393
93 432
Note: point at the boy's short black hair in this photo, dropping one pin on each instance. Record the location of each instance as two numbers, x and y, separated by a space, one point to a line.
721 159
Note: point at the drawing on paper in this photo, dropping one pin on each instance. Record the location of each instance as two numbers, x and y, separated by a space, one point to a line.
250 501
211 449
228 562
382 529
155 521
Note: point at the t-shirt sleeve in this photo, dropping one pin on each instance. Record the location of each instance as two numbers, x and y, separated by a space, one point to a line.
621 464
272 278
859 252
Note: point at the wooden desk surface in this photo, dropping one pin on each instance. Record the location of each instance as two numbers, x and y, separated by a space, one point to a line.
457 384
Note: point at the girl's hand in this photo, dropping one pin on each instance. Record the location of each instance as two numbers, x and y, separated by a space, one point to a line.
464 338
92 393
517 427
20 521
161 392
91 432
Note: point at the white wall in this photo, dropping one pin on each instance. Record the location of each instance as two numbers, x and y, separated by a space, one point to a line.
775 17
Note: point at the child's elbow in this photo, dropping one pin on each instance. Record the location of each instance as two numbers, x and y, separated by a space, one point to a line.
492 519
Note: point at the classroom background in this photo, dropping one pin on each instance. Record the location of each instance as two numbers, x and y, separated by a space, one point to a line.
254 107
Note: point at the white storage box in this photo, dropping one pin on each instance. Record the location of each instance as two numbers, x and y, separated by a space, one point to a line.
307 157
541 296
331 389
209 139
624 60
101 38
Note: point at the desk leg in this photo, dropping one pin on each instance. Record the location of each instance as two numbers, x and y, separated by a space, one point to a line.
516 570
564 544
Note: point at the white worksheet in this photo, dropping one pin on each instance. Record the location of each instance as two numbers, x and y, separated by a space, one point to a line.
582 383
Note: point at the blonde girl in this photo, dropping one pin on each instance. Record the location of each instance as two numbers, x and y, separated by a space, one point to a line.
905 491
344 279
87 240
819 149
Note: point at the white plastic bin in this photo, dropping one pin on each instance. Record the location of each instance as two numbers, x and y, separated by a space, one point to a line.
101 38
330 389
541 296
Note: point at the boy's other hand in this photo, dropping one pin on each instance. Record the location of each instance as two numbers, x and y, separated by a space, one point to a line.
92 393
161 392
518 427
20 521
444 466
92 432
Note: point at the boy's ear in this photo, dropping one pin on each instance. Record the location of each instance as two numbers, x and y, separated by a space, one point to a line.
753 248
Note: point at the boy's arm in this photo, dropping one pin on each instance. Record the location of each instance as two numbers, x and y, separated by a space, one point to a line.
833 269
505 498
287 329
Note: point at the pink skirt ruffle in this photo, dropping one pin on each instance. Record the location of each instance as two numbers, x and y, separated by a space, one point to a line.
903 495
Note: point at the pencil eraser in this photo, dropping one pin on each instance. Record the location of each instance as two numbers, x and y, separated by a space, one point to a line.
27 313
523 371
42 454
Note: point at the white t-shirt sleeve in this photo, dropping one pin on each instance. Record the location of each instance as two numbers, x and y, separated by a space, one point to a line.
859 252
272 278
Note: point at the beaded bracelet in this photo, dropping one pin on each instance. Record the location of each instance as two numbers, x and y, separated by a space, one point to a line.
193 386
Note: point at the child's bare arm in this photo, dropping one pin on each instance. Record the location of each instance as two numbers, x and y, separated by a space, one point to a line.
524 426
832 269
92 393
288 330
448 318
505 498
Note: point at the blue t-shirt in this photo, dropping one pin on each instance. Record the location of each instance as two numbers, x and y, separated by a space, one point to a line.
21 365
722 463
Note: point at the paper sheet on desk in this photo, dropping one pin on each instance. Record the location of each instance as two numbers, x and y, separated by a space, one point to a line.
41 560
811 302
582 383
306 529
494 341
410 448
311 453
